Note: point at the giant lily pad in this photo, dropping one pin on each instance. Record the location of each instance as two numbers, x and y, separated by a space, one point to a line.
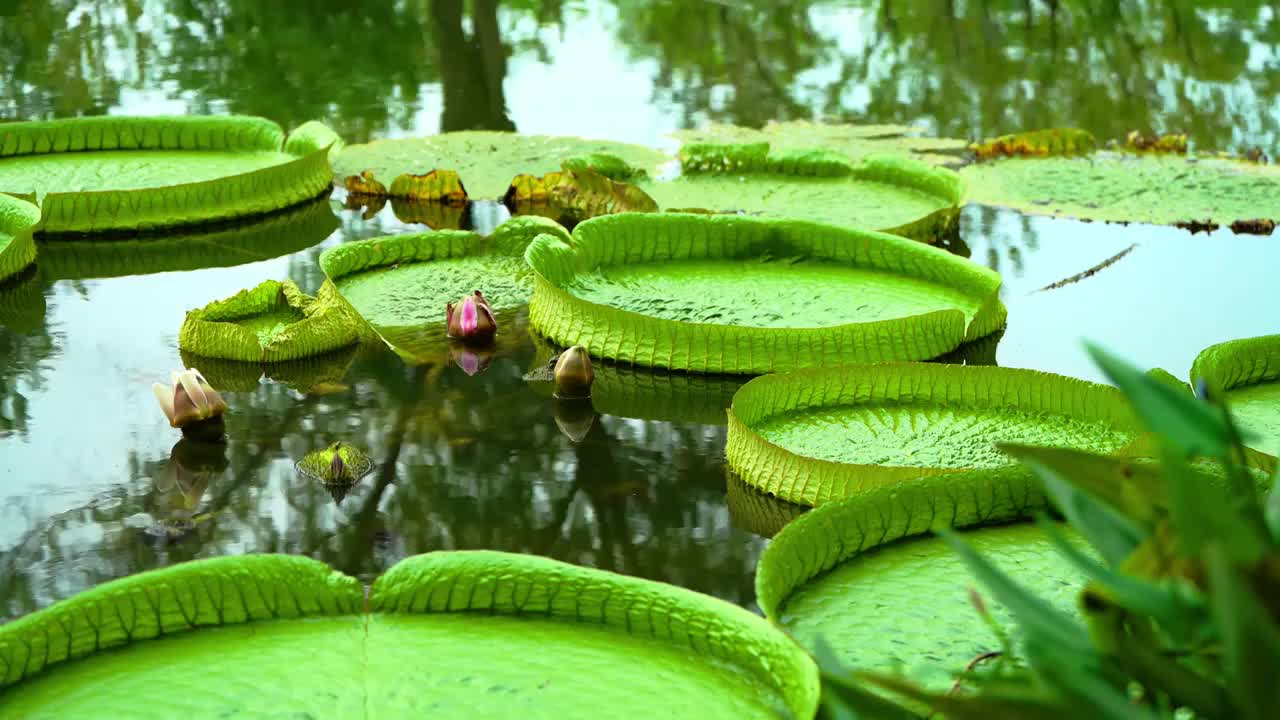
74 257
272 322
1248 371
461 634
1122 186
485 161
885 192
855 142
401 283
813 436
18 220
857 574
750 295
130 173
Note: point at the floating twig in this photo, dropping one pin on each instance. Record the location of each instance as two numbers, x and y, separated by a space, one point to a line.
1091 271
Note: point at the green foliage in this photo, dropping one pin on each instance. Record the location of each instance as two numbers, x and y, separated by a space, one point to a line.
1182 614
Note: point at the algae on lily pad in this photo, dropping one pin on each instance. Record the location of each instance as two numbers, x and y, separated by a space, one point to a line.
484 161
75 257
272 322
443 635
1129 187
1248 372
862 575
729 294
111 173
881 192
813 436
18 220
401 284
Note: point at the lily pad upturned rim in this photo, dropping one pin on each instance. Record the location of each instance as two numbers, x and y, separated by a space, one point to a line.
249 193
629 336
328 324
18 220
790 476
1239 363
254 588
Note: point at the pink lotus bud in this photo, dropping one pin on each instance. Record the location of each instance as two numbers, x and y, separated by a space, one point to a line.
471 318
190 400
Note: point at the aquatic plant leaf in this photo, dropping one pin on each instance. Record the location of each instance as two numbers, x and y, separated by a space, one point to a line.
1250 637
1247 371
591 193
72 257
1125 187
854 142
18 220
746 295
485 161
442 186
812 436
1167 143
272 322
854 571
882 192
1037 143
462 634
364 184
96 174
401 284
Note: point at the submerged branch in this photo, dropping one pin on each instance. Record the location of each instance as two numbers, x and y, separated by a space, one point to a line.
1091 271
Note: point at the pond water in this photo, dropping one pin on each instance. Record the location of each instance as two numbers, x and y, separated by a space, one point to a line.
91 475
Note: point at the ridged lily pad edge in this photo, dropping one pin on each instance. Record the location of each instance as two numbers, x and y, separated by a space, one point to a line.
510 239
251 193
836 532
778 471
329 323
18 220
251 588
1239 363
629 336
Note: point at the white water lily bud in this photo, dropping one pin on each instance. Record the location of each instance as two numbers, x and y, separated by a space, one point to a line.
190 400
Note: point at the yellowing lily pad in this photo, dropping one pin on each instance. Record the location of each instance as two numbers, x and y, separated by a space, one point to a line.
1248 372
401 284
485 161
125 173
272 322
814 436
442 635
729 294
18 220
1128 187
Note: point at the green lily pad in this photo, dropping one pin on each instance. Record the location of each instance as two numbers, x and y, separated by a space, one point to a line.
402 283
862 574
485 161
1248 371
855 142
1124 187
726 294
813 436
18 219
449 634
272 322
98 174
278 234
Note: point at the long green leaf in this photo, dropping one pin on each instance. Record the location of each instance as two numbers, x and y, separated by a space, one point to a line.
1250 638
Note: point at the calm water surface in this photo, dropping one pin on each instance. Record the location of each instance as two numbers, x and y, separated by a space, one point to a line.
94 485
